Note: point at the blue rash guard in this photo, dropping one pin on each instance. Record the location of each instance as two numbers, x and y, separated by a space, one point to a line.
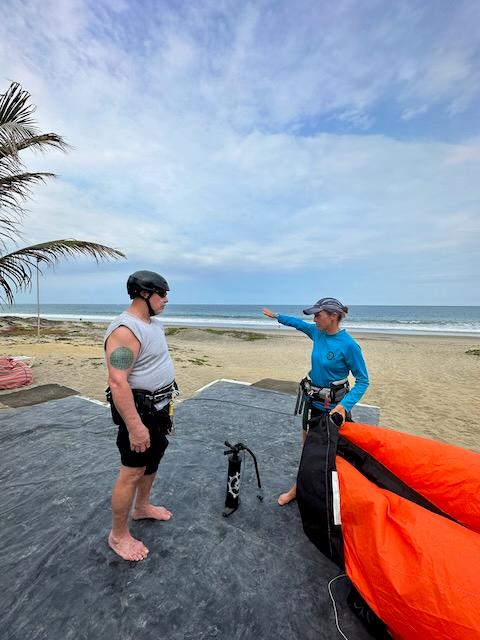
333 358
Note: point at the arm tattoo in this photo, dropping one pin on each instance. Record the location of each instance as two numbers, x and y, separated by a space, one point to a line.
121 358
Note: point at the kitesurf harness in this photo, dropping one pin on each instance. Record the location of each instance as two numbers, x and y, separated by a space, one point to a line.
146 401
309 393
152 398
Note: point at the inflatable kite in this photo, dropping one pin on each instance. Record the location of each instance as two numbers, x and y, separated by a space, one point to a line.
401 515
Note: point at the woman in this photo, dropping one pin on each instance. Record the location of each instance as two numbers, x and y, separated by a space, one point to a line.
335 354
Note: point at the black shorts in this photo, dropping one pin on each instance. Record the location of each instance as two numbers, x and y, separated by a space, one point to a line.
157 426
312 415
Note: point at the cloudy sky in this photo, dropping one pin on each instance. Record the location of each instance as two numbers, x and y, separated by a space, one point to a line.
258 151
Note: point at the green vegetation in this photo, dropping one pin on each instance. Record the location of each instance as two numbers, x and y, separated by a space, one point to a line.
473 352
28 330
249 336
172 331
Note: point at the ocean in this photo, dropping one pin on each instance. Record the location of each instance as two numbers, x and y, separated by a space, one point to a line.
411 320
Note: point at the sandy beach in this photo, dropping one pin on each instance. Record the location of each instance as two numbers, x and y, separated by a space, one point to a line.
425 385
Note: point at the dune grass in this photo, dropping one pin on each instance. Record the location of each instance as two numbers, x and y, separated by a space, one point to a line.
473 352
249 336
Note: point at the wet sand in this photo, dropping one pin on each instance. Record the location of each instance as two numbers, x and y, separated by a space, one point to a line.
425 385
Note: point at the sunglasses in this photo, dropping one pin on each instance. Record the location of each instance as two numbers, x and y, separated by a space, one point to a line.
161 292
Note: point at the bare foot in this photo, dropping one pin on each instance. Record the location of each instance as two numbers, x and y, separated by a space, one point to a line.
127 547
152 512
287 497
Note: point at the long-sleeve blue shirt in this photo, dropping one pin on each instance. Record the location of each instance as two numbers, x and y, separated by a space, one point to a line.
333 358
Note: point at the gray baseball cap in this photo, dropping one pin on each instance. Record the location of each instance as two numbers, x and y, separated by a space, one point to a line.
325 304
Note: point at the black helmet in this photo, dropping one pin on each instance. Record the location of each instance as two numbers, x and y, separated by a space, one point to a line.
146 281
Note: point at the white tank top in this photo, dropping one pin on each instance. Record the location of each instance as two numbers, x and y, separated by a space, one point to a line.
153 368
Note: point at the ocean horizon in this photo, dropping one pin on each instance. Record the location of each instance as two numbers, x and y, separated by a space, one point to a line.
394 319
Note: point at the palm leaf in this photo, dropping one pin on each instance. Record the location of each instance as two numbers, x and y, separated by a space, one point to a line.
38 143
8 230
15 189
18 267
18 132
17 186
16 121
15 106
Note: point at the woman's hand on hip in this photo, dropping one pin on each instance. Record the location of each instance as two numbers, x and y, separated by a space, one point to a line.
341 410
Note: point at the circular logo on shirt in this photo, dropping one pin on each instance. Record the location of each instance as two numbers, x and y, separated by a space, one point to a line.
330 355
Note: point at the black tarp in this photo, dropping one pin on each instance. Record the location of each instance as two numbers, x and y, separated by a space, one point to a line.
253 575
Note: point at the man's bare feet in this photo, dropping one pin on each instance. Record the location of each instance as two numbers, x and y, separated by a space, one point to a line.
287 497
152 512
127 547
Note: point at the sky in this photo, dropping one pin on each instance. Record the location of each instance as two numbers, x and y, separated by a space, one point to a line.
256 152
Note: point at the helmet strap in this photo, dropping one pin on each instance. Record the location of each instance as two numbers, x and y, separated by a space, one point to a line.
151 312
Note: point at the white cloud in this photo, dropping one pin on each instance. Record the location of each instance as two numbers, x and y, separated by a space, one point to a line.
364 194
252 65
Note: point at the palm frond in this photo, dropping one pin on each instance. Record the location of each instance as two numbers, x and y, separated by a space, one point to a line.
9 230
17 268
17 187
16 121
14 276
38 143
15 106
18 132
50 252
14 189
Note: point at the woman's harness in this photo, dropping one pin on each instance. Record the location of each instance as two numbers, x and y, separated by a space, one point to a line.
309 393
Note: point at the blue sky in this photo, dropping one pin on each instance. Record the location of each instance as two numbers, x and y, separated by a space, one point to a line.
257 152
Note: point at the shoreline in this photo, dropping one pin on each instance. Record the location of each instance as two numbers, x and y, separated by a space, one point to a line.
360 332
423 384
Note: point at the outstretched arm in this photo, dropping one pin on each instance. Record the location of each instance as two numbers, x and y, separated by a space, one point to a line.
290 321
122 350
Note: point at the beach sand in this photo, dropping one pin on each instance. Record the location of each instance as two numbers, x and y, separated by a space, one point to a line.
424 385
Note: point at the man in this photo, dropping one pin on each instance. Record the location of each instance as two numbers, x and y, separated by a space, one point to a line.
141 384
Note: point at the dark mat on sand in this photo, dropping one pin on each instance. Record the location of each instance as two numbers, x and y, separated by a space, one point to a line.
36 395
252 576
284 386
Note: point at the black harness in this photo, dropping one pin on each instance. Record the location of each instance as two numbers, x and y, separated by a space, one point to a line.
308 393
145 401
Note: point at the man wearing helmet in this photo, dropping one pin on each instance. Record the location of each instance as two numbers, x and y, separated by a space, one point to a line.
141 386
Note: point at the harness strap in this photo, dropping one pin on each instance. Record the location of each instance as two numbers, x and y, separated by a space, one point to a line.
308 392
168 391
146 400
